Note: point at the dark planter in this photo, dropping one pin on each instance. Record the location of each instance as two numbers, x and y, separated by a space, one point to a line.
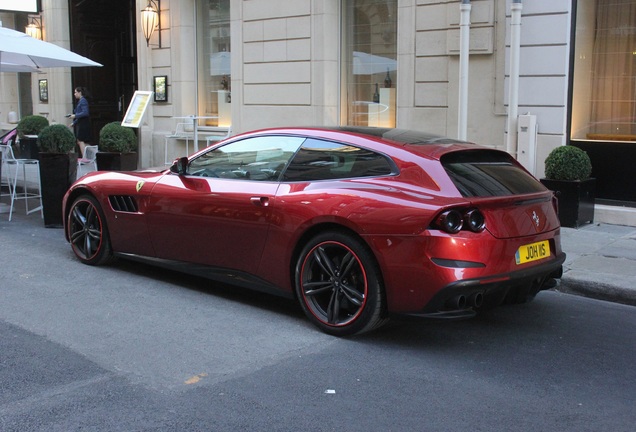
576 200
57 173
107 161
29 147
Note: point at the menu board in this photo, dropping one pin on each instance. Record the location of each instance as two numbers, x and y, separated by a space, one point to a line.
137 108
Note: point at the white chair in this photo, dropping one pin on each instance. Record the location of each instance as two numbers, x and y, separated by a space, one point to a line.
88 159
183 131
11 168
218 137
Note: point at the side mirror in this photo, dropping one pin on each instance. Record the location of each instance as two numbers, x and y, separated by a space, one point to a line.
180 166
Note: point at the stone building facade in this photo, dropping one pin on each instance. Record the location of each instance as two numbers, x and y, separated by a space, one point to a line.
260 63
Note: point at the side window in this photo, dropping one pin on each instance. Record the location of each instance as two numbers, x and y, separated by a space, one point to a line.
259 159
325 160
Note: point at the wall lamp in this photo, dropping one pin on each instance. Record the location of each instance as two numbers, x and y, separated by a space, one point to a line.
151 19
34 28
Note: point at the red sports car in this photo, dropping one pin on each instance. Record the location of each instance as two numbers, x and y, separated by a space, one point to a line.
355 223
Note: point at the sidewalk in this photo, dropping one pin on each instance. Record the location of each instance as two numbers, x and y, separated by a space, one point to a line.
601 262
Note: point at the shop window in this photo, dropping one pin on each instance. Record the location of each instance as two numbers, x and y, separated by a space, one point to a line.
369 62
214 59
604 89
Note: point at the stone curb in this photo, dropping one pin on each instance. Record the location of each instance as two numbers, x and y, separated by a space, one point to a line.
596 290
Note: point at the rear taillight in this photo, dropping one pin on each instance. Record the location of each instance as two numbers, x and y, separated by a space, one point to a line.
450 221
474 220
453 221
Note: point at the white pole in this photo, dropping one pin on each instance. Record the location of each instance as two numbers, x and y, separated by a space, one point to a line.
513 93
464 54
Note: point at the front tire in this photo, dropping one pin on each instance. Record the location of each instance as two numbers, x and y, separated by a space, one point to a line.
339 285
88 232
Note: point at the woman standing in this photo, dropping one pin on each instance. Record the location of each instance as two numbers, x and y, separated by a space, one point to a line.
81 119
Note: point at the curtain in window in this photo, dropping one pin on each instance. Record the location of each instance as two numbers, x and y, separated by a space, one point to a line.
613 107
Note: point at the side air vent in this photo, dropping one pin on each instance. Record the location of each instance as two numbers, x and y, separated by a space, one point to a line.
123 203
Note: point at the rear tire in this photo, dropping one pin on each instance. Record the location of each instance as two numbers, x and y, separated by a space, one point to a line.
88 232
339 285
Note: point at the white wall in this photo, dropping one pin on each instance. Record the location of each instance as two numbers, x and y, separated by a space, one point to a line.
290 63
434 82
544 70
285 66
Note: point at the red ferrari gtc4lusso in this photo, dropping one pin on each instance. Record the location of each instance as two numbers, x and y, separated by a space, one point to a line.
355 223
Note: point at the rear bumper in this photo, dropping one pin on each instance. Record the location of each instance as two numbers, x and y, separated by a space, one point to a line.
493 289
422 272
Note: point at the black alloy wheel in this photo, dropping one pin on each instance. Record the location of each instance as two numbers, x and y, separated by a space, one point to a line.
87 231
339 285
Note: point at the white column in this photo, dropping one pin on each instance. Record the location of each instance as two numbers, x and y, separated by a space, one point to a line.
513 94
464 55
55 29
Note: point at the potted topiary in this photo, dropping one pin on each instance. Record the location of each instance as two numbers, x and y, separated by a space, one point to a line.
117 148
567 173
58 170
29 127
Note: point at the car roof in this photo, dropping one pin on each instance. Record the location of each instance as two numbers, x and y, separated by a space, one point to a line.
402 136
419 142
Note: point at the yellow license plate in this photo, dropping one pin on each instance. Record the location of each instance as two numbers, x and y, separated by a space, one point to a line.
532 252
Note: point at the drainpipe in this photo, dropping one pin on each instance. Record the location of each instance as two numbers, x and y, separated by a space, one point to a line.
464 54
513 93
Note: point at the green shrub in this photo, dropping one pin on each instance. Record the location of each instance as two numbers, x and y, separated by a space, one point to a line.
56 138
32 125
116 138
568 163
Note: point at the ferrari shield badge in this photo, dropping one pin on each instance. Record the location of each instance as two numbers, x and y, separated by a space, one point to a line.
140 184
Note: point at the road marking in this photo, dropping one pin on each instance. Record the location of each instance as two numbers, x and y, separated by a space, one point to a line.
195 379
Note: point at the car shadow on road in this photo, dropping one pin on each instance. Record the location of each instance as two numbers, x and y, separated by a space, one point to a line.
234 293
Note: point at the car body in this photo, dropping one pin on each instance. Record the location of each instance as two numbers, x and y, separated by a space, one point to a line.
356 223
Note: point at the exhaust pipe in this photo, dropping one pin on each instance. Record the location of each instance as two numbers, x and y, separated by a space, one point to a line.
557 273
457 302
476 299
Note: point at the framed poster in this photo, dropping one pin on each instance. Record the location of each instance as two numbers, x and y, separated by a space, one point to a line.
161 88
44 90
136 108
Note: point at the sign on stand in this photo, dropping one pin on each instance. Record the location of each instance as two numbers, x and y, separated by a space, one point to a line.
137 108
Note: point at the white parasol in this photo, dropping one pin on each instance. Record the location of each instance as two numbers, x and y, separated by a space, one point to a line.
19 49
10 67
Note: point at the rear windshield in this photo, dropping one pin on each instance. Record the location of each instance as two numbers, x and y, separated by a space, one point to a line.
485 173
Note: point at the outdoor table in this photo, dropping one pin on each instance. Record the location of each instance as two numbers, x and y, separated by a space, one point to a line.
195 123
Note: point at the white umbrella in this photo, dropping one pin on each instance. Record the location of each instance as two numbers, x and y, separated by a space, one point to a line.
19 49
369 64
10 67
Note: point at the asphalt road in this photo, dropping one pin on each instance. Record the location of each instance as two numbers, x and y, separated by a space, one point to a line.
135 348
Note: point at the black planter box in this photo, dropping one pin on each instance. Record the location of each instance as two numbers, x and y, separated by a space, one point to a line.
29 147
107 161
576 200
57 173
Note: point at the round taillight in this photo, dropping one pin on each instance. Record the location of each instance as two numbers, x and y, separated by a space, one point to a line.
450 221
475 220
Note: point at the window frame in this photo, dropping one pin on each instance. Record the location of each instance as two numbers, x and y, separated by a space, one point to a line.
254 163
340 167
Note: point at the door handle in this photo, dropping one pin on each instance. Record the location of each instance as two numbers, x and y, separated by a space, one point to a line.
260 201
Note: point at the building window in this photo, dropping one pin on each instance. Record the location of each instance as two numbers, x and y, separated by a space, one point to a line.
369 35
214 54
604 90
